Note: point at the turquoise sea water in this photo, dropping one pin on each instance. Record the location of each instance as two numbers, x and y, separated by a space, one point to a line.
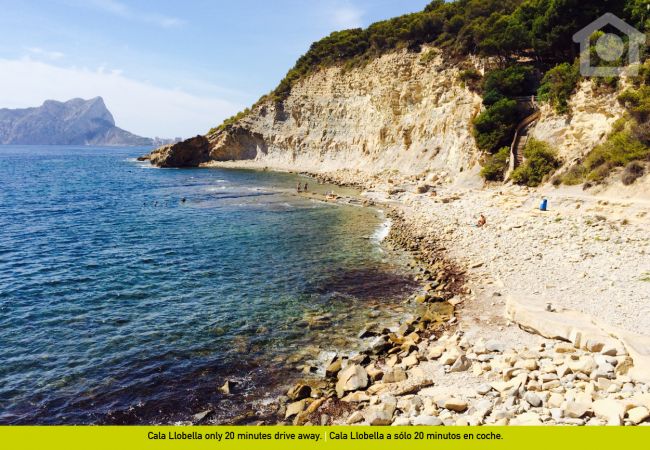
128 294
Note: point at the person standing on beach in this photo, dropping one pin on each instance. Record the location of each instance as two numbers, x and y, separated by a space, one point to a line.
306 187
298 187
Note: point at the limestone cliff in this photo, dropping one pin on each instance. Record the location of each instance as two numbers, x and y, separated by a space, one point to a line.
401 111
189 153
590 121
405 112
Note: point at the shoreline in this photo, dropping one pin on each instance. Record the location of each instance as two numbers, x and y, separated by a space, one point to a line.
263 410
433 315
452 379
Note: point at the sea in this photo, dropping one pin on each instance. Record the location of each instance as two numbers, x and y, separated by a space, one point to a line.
129 294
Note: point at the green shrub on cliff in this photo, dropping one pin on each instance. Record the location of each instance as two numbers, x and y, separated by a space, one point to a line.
494 127
541 161
637 11
558 85
574 175
429 56
628 142
230 121
496 165
632 172
620 149
637 102
471 78
513 81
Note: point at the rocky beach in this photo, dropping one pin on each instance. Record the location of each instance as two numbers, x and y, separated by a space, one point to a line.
544 332
541 316
436 214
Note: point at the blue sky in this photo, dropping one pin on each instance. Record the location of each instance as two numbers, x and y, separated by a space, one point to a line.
166 68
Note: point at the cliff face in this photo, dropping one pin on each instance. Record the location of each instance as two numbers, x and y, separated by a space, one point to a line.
75 122
403 112
399 112
591 120
189 153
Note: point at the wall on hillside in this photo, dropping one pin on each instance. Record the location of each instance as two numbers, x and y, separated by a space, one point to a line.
396 113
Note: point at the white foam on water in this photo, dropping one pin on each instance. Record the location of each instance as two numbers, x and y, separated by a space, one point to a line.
382 231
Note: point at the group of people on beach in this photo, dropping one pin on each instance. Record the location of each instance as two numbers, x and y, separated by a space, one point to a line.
299 187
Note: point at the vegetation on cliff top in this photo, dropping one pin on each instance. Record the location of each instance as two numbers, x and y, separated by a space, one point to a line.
539 31
505 29
230 121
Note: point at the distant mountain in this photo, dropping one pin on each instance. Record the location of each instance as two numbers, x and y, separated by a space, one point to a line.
75 122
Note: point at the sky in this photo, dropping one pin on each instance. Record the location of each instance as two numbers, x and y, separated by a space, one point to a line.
166 68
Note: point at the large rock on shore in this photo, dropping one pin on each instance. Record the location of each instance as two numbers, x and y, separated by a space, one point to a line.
189 153
352 378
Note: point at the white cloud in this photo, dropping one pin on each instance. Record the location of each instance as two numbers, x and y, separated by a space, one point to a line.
120 9
39 52
137 106
347 16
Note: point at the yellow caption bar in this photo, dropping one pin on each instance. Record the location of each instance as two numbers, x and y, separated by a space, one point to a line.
322 438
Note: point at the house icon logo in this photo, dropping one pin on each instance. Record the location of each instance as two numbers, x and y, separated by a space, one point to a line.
610 47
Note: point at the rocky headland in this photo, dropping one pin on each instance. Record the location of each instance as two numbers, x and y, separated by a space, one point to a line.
189 153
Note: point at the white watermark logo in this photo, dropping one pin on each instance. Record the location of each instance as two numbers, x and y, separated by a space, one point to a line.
610 48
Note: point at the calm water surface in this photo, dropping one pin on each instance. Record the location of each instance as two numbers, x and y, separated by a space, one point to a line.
122 303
